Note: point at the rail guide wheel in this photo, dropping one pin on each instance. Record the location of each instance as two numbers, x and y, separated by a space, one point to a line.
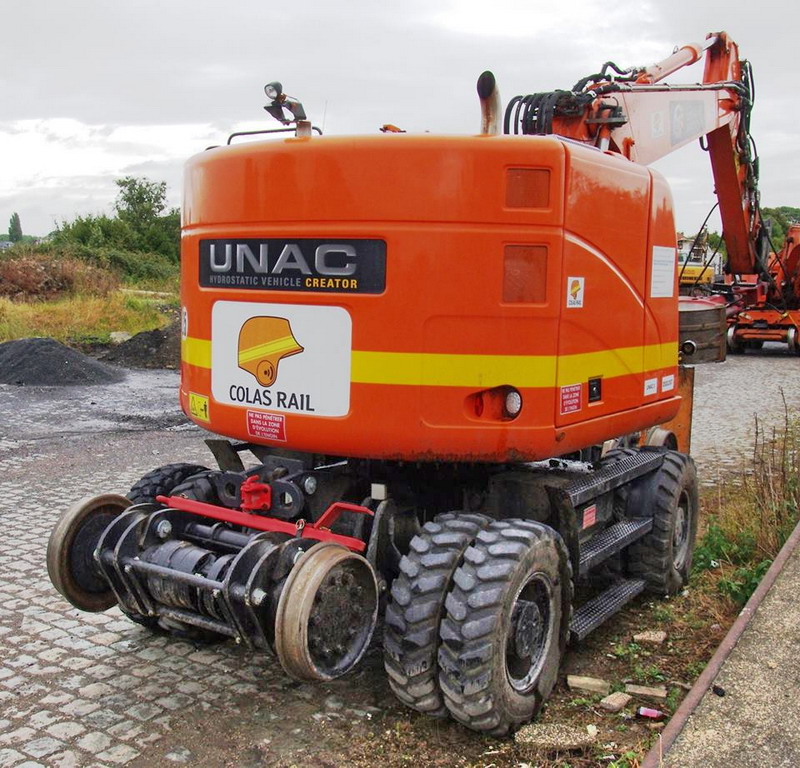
70 551
326 613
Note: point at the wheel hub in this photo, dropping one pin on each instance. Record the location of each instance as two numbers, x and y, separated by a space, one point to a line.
530 632
680 534
527 634
326 613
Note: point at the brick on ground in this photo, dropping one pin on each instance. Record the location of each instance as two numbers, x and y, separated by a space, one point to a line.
590 684
659 692
616 702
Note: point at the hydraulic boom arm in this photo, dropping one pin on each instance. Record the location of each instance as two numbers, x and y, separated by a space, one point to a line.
631 112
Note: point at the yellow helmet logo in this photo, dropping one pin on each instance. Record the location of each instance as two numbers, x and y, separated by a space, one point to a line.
263 343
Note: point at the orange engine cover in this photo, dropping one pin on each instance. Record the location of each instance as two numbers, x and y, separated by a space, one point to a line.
382 296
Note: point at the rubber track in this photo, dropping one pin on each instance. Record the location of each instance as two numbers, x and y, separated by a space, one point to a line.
650 558
162 481
411 637
474 609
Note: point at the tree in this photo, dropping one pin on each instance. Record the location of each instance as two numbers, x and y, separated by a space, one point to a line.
140 201
14 228
141 206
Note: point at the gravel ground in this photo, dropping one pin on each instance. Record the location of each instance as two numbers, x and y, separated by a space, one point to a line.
94 689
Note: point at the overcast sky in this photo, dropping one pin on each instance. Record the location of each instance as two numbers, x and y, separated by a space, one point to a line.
93 90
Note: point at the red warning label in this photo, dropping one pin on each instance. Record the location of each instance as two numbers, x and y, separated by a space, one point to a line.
589 516
570 398
267 426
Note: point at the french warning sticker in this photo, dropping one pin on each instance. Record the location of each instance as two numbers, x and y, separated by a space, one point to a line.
198 406
575 287
571 398
667 383
266 426
289 358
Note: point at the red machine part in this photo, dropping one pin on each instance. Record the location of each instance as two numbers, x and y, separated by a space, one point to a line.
319 530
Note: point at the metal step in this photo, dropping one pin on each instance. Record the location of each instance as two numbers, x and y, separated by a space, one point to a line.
594 612
613 539
613 475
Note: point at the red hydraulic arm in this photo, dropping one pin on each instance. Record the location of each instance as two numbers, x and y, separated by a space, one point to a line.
630 111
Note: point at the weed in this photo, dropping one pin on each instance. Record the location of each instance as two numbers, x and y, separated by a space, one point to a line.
717 546
754 513
627 650
694 669
743 582
628 759
673 699
649 674
663 613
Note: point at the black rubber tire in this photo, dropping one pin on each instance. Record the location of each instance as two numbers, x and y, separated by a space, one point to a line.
161 482
474 677
198 487
416 605
670 495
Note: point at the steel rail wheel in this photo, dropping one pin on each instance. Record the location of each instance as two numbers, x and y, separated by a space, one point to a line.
70 551
326 613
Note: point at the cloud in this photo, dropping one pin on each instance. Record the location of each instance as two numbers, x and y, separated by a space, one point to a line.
111 87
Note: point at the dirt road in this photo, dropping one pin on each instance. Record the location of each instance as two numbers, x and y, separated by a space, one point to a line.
94 689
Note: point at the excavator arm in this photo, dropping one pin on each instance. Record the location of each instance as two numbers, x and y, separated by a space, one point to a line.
633 113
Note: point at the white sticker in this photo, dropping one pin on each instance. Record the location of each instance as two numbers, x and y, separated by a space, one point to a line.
667 383
657 125
575 291
281 357
662 272
184 322
650 387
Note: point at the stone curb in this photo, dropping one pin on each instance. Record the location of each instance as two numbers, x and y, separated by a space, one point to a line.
654 758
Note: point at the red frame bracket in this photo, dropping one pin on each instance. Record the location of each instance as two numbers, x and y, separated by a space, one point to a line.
320 530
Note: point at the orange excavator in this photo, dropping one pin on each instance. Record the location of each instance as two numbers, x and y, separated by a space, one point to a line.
766 306
418 347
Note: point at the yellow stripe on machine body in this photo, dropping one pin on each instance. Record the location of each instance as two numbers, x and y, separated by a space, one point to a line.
447 370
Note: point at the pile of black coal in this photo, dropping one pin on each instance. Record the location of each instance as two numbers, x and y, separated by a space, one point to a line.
46 362
160 348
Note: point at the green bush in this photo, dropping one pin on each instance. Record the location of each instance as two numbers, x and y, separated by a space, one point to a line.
717 546
131 267
743 582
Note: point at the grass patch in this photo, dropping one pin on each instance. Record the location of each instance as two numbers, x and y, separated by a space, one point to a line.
78 319
139 269
753 514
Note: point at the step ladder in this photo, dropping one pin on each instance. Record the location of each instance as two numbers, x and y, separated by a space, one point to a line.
612 540
594 612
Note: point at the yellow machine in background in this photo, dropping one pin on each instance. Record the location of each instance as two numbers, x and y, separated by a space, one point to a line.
696 267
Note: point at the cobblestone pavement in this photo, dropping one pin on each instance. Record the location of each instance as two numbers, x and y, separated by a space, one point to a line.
730 396
97 690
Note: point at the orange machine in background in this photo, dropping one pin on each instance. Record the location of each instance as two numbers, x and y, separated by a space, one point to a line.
766 306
